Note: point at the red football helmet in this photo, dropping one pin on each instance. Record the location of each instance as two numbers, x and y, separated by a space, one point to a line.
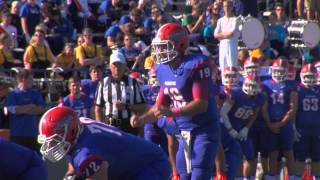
153 81
230 76
251 85
307 75
59 129
251 65
170 42
279 70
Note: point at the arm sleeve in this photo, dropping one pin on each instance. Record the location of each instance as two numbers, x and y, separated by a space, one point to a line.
162 99
226 107
201 76
200 89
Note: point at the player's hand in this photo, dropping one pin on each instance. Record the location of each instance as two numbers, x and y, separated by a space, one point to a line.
297 135
243 134
135 121
161 111
233 133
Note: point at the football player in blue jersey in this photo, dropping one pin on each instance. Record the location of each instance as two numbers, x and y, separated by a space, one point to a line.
307 123
239 112
282 106
229 155
259 129
163 132
185 82
78 101
99 151
21 163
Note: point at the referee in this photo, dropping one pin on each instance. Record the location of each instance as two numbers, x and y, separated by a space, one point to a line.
118 96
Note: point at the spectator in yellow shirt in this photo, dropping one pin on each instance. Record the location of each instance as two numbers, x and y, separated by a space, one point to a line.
66 59
88 52
80 41
38 54
7 60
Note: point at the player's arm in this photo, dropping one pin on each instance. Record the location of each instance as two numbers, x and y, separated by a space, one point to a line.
266 117
199 104
225 109
290 115
243 134
151 116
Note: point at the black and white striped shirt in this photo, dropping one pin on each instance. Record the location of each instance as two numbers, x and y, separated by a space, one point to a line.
109 91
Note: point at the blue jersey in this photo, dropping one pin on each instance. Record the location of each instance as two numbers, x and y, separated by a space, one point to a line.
278 98
19 162
308 113
126 154
243 107
89 87
177 84
215 89
82 105
24 124
150 94
169 126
